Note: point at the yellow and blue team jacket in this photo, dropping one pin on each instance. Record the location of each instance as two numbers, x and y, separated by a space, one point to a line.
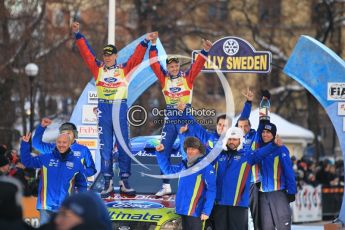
57 176
196 192
277 172
233 170
250 141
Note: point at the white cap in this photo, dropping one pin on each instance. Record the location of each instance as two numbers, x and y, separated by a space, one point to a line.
236 133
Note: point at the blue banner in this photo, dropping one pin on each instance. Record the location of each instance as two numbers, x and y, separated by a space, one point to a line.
322 73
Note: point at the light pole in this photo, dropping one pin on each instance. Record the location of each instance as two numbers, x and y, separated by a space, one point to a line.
31 70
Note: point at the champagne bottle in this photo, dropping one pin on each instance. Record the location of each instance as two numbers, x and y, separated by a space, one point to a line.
264 109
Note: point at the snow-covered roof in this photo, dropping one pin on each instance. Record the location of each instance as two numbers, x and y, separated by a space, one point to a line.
285 129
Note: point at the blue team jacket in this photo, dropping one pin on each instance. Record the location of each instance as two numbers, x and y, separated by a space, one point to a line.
250 142
80 151
233 170
196 192
277 172
249 137
57 176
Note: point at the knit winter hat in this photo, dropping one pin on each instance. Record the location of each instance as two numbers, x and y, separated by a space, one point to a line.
193 142
89 207
271 128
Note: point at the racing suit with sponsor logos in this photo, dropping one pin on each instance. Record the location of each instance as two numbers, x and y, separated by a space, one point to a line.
79 151
112 88
57 176
176 89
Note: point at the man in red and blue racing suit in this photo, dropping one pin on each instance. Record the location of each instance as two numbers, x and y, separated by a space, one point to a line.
112 81
177 88
80 151
59 169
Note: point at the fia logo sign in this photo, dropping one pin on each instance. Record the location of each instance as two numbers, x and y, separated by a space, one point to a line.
336 91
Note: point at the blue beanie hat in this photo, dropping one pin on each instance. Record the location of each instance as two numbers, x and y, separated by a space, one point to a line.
90 208
271 128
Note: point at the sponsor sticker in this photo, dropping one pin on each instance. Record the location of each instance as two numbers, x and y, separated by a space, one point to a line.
76 153
90 143
53 163
69 164
87 131
89 115
341 108
134 204
175 89
92 97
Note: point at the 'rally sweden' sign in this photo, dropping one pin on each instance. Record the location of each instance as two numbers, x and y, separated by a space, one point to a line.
233 54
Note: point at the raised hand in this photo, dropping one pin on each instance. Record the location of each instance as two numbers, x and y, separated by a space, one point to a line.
206 44
26 138
184 128
152 37
75 27
248 94
45 122
160 147
203 217
278 141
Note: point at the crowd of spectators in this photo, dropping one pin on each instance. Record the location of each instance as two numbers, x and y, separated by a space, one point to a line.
11 165
325 172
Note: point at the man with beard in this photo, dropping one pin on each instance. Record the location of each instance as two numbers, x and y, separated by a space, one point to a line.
233 168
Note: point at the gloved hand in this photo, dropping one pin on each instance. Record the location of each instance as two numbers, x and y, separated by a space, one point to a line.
265 93
291 197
